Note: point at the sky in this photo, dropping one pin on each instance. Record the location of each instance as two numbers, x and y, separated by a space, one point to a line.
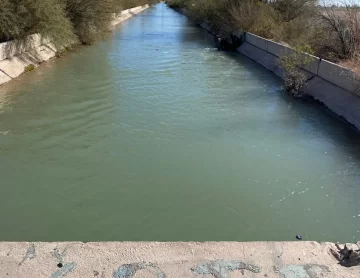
338 2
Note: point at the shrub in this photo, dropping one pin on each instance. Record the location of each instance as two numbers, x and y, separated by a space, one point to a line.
294 78
64 21
246 15
19 19
289 10
90 18
177 4
29 68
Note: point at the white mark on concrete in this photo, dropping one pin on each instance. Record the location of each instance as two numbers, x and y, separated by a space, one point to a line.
30 253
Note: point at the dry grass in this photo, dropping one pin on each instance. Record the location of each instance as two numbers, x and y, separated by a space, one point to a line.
353 64
343 31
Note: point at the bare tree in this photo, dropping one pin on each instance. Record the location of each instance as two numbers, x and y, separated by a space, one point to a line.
344 24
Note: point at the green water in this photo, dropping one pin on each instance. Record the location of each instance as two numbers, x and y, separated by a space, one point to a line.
154 135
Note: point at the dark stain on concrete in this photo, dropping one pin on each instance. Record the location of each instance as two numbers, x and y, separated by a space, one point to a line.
128 270
223 268
316 271
30 253
65 270
304 271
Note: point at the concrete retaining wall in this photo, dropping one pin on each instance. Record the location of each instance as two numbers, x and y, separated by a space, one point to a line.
173 259
15 57
336 87
125 14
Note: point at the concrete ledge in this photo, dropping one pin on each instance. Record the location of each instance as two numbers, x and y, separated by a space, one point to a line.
312 67
256 41
280 50
4 77
338 100
334 86
14 66
331 72
340 76
172 259
127 14
206 27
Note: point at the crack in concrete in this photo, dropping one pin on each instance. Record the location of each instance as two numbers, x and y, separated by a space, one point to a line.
30 254
223 268
6 74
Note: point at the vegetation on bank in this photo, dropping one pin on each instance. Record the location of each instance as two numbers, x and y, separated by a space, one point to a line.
63 21
329 32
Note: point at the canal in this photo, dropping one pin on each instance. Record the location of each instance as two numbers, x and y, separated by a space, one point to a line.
152 134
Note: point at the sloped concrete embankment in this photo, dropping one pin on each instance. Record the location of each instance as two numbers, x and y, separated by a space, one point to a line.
173 259
17 58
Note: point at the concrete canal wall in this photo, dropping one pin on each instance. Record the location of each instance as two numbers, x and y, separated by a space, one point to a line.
336 87
17 58
173 259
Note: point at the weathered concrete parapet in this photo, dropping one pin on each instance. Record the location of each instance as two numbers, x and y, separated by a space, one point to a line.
125 14
257 41
340 76
172 259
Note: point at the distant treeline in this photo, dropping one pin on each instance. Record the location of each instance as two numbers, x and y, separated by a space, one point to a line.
326 31
64 21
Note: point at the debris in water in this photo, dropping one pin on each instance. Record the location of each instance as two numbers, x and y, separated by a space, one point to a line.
299 237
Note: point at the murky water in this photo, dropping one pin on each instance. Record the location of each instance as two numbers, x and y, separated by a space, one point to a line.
154 135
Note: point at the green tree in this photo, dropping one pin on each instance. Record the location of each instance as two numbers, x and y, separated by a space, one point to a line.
21 18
